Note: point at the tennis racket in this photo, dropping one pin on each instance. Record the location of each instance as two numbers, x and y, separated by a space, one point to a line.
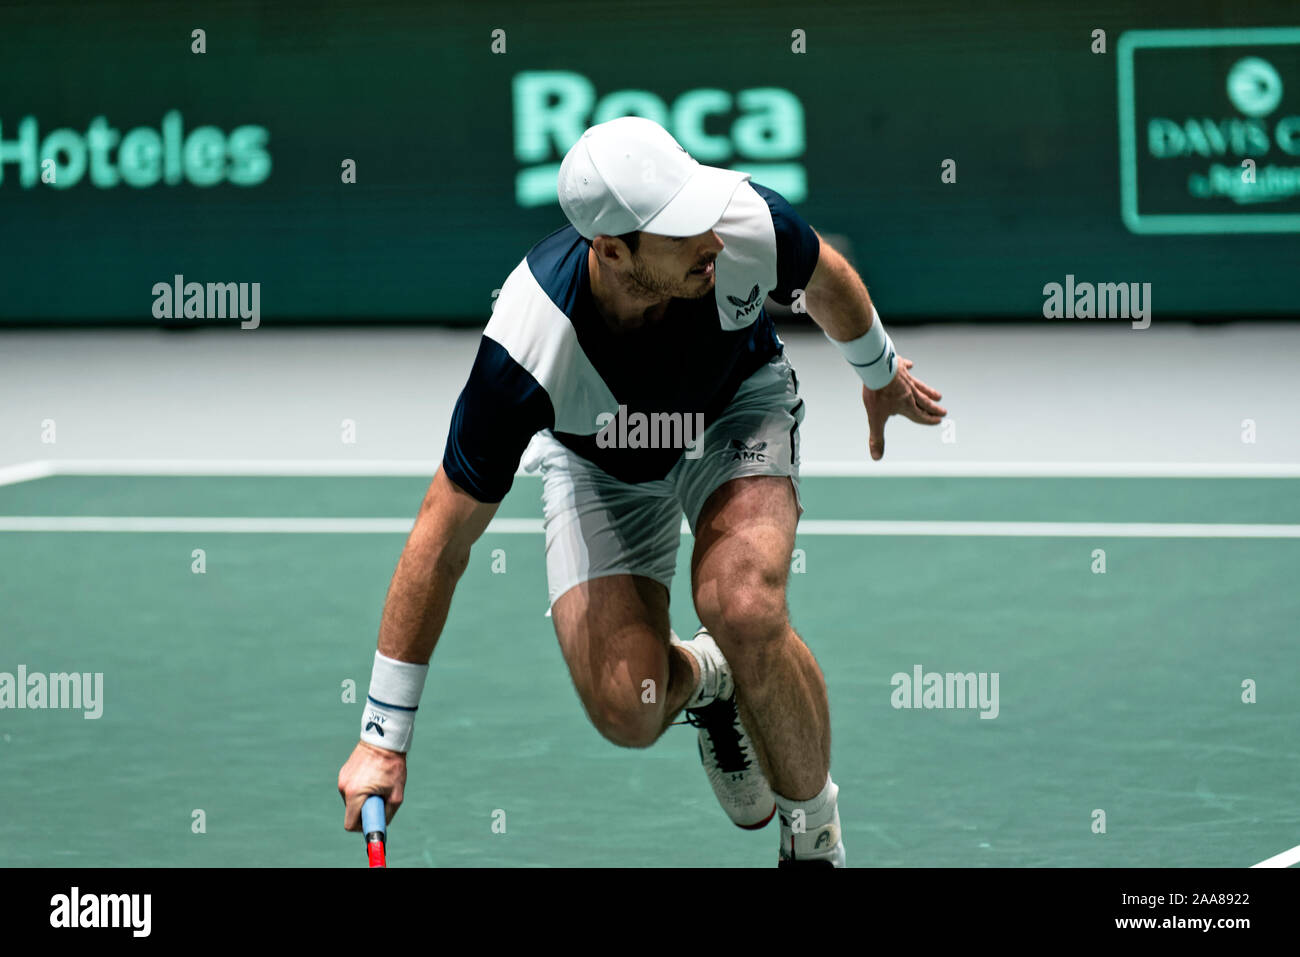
375 830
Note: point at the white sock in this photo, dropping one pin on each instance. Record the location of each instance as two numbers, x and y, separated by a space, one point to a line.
706 684
819 831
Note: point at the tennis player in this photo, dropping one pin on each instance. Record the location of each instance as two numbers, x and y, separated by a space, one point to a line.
630 357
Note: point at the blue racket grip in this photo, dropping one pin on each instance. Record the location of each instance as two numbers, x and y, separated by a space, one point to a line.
374 830
372 816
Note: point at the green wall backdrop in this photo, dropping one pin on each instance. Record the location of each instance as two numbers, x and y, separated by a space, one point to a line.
1122 166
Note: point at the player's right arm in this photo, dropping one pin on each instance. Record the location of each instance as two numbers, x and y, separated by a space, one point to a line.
435 556
500 409
437 552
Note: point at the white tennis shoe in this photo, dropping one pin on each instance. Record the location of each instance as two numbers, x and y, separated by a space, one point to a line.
726 750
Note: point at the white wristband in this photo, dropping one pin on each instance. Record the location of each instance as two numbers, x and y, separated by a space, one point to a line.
872 354
388 719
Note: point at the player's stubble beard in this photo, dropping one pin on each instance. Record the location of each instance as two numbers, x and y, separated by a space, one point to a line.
643 283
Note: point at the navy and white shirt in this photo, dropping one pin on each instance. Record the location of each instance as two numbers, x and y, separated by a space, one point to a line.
547 360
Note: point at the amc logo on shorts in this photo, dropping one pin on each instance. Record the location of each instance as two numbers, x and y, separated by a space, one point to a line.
759 131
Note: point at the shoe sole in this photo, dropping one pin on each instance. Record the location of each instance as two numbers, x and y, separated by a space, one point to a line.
758 826
761 824
818 863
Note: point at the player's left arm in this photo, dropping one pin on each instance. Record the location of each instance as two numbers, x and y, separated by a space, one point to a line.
836 296
837 300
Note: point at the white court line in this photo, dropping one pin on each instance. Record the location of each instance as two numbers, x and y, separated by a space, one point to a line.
249 467
1285 859
1053 469
1050 529
426 467
25 472
239 526
533 526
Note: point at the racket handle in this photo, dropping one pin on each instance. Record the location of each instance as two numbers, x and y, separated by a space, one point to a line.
375 829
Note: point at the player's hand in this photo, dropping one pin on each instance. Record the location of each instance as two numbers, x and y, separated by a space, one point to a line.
371 770
905 396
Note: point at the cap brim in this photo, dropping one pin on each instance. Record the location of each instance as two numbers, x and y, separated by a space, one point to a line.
698 205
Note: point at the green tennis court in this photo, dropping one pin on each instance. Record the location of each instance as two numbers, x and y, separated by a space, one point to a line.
224 691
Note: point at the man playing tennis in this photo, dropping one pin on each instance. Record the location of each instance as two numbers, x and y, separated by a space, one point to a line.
648 308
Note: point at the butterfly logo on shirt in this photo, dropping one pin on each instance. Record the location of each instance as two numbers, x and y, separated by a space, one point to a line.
746 305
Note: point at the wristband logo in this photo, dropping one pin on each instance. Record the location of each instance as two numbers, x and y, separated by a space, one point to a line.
374 722
141 157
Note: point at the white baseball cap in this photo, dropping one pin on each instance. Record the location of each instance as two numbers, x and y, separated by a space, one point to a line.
630 174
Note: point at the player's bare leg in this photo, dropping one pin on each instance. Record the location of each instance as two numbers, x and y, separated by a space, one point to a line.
614 633
743 543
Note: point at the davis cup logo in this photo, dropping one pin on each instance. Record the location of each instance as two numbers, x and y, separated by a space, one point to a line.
1210 130
1254 86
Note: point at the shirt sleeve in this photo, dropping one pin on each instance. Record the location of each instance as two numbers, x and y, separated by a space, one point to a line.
499 411
797 246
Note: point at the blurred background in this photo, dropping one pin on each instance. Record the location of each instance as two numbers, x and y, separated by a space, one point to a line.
227 165
386 164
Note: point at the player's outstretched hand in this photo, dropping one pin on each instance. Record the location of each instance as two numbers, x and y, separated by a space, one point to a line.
371 770
905 396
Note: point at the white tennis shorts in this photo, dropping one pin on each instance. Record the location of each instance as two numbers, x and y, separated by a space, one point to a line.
597 525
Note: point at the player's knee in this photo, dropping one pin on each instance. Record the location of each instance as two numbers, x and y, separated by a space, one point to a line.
625 712
749 616
627 720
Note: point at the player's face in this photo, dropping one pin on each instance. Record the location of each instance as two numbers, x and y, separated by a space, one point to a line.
677 267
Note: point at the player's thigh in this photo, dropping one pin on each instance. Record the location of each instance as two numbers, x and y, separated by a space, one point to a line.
613 633
611 550
741 497
598 527
740 564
